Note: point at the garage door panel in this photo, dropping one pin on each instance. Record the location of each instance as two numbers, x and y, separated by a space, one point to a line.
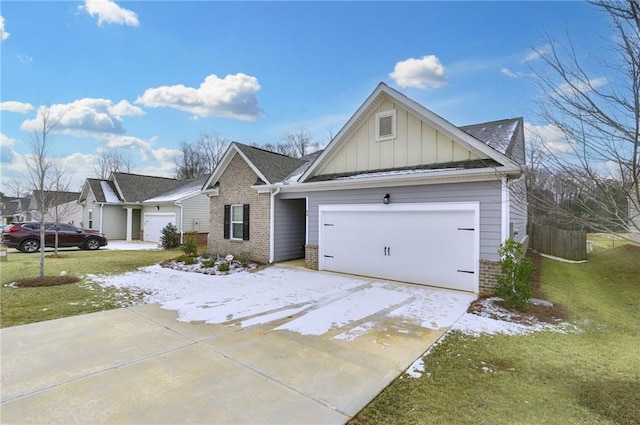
434 247
154 223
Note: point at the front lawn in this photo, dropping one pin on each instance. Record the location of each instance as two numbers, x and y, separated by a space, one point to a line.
19 306
592 376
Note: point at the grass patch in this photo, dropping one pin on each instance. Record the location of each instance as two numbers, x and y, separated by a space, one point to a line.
588 377
39 282
19 306
602 241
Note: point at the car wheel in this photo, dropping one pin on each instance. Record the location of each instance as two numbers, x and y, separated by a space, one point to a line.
30 246
92 244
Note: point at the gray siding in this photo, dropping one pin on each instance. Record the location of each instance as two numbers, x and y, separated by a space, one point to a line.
518 210
196 214
114 221
487 193
289 229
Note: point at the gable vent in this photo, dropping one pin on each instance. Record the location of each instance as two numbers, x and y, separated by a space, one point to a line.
386 125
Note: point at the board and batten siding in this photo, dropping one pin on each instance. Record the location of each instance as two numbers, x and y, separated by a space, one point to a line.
114 221
487 193
416 143
290 227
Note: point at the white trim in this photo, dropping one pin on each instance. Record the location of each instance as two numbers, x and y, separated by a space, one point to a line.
306 221
505 202
224 163
390 113
272 218
427 206
420 112
231 221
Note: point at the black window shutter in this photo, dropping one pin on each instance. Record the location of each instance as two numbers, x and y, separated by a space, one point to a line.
245 222
227 220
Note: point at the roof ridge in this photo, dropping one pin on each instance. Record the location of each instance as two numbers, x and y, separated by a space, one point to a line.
492 122
265 150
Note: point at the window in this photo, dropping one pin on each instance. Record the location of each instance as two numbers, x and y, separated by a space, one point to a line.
90 219
236 222
385 125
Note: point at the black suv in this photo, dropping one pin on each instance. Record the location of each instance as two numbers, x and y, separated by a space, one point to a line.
25 236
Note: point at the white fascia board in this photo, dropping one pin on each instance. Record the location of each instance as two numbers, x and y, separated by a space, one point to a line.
453 176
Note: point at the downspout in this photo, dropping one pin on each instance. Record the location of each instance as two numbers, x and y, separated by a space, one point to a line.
505 209
179 204
272 224
101 214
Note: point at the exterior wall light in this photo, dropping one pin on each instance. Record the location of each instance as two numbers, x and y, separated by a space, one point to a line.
386 199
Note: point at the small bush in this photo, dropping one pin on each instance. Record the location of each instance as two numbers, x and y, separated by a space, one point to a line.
190 246
244 257
170 237
514 283
208 263
186 259
223 267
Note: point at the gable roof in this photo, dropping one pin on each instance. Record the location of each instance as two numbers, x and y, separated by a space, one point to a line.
383 91
137 188
188 189
270 167
104 191
52 198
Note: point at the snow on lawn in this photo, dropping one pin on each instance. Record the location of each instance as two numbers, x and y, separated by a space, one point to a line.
318 302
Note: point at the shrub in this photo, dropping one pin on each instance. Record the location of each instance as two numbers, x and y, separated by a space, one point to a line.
186 259
514 282
190 246
223 267
170 237
208 263
244 257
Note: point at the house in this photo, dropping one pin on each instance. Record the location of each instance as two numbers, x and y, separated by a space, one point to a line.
60 206
399 193
10 208
132 206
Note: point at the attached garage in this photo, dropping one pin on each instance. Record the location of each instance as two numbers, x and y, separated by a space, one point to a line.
154 223
434 244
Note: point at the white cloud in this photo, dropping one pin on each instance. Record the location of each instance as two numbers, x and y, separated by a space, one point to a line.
6 141
583 86
549 137
24 58
537 53
234 96
509 73
13 106
3 34
420 73
86 117
109 12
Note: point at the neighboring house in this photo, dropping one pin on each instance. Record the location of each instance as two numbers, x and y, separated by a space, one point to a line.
634 217
60 206
9 208
399 193
120 207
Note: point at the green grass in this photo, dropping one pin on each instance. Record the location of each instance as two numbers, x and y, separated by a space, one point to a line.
19 306
602 241
591 377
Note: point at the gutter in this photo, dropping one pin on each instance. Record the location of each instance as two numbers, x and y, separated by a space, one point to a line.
272 223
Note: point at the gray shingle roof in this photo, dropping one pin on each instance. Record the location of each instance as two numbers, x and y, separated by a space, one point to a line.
96 186
500 135
274 166
188 187
53 198
137 188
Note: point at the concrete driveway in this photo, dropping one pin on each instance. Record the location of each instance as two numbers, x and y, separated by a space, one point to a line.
142 365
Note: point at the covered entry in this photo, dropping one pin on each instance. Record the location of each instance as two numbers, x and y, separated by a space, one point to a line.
431 244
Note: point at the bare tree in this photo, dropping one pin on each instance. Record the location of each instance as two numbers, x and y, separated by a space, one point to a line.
112 161
201 156
598 120
298 143
39 168
59 205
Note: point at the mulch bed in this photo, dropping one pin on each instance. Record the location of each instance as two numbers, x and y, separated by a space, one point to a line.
37 282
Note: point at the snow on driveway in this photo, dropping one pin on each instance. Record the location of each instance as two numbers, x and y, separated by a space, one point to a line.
319 302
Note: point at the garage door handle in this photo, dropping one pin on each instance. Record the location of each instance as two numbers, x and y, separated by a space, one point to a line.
466 271
466 228
328 256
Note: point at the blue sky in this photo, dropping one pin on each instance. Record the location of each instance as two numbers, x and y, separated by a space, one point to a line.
144 76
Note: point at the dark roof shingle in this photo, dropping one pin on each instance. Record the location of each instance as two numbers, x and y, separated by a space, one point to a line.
274 166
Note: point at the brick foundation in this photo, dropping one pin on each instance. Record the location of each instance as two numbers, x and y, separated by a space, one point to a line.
489 272
311 257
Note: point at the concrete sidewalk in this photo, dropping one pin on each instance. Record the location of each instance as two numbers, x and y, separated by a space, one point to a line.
140 366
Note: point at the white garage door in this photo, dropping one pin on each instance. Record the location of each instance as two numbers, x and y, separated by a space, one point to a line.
430 244
154 223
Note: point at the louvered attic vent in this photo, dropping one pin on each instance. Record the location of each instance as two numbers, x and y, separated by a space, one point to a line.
386 125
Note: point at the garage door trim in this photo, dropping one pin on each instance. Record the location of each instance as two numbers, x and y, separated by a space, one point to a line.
172 220
421 207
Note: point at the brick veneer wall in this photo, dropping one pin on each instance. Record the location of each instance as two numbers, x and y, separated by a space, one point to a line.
489 271
235 188
311 257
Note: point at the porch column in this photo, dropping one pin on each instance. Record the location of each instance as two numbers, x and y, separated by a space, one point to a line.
129 223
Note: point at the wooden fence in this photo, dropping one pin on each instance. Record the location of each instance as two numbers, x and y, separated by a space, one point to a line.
569 244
